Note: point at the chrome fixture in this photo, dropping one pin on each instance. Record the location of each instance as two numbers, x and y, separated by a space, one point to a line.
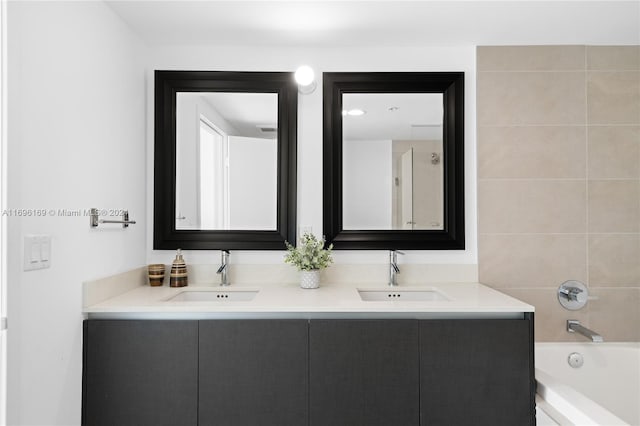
575 360
224 268
393 267
573 295
574 326
94 218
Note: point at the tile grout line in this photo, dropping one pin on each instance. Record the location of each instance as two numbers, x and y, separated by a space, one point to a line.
559 233
586 170
532 71
557 125
574 71
556 179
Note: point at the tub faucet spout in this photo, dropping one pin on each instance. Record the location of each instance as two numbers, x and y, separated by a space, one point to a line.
574 326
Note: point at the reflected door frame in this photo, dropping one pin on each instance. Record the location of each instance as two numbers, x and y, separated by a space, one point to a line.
216 210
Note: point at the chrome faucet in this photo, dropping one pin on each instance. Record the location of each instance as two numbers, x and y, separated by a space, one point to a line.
574 326
393 267
573 295
224 268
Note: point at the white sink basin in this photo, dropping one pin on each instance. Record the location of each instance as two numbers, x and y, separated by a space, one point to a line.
402 296
214 296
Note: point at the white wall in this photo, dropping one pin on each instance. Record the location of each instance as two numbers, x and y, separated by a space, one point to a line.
253 183
367 184
76 140
394 58
3 224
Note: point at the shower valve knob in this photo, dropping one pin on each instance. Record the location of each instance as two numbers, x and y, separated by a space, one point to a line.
573 295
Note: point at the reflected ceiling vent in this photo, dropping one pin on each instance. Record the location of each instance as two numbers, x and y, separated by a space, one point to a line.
418 126
269 129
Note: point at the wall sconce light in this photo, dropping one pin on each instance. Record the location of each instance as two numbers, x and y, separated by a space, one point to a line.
305 77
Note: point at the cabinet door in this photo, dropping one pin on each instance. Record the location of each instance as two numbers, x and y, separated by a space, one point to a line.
140 373
476 372
363 372
253 372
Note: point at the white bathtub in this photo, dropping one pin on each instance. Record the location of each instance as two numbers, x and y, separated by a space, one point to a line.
605 391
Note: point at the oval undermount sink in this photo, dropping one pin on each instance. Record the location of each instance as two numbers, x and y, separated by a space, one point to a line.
402 296
213 296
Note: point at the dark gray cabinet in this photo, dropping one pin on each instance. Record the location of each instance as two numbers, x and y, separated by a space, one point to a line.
253 372
476 372
316 373
140 373
363 372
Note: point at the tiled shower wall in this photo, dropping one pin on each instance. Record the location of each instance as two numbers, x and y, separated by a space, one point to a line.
559 181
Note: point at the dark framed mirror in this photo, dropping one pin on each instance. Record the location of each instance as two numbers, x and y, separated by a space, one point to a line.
225 160
394 160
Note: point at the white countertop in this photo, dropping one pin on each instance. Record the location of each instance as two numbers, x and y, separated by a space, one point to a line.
465 300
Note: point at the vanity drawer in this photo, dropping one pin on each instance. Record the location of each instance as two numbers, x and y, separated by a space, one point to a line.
139 372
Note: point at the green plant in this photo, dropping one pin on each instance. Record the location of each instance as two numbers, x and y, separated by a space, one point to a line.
310 253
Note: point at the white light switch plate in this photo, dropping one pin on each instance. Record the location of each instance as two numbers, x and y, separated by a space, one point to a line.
37 252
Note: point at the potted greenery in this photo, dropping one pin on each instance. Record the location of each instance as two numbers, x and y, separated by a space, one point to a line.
309 257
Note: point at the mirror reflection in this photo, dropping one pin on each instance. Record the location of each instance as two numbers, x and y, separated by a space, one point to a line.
226 161
392 168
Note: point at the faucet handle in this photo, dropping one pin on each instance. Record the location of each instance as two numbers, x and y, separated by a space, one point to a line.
393 255
573 295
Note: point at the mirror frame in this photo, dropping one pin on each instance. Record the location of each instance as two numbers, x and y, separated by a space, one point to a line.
451 85
167 85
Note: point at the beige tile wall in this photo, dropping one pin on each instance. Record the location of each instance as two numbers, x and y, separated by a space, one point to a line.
559 181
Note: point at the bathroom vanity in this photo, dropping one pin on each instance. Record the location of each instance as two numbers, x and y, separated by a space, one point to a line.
279 355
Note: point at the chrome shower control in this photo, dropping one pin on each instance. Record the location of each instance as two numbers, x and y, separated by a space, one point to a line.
573 295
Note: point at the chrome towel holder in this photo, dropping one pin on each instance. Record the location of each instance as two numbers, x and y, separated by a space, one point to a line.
94 218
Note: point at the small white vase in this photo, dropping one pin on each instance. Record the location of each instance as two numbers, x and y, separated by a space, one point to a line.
310 279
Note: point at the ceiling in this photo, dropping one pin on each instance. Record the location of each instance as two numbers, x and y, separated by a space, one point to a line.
247 113
374 23
398 116
335 23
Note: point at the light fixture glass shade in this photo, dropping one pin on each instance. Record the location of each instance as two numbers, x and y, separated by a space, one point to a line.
305 77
